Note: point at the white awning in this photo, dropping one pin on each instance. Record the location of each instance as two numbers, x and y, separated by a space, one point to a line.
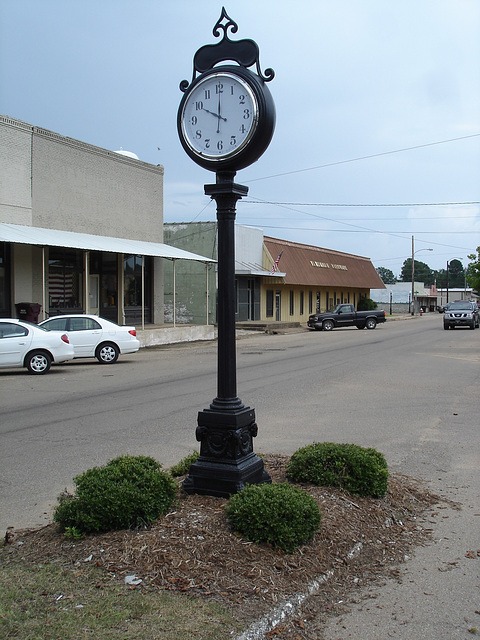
88 242
250 269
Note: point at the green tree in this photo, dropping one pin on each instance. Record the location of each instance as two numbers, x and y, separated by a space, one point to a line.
386 275
456 275
473 271
423 273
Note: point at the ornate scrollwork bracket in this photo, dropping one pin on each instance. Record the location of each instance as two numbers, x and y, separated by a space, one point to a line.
244 52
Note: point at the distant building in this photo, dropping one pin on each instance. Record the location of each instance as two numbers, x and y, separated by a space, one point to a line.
276 280
456 293
397 298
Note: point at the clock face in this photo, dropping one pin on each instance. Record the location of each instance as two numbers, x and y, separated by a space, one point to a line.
219 116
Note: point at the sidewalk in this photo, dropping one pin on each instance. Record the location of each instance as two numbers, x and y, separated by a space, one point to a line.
157 335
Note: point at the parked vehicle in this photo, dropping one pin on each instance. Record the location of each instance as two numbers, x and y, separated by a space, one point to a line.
444 308
23 344
461 313
95 337
345 315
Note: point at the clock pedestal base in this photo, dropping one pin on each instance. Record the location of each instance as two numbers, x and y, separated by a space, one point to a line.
227 462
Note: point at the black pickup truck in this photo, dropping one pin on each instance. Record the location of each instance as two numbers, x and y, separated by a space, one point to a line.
344 315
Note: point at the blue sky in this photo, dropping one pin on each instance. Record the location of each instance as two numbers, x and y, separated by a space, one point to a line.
367 93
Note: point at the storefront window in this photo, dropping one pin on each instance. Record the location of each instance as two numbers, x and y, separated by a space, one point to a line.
4 281
269 310
132 272
65 273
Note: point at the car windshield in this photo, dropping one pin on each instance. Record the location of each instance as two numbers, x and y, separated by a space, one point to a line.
459 305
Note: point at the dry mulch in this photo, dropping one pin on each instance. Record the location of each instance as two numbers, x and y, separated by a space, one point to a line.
193 550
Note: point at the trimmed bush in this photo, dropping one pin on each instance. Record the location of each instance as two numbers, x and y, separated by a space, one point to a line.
366 304
356 469
281 515
183 467
130 491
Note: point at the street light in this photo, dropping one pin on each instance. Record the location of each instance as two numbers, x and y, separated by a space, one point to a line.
413 272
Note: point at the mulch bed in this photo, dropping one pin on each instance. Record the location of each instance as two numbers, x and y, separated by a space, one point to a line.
193 550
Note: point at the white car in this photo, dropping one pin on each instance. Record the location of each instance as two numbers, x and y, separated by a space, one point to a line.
23 344
95 337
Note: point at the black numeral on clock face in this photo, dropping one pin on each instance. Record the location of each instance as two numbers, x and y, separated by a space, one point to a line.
219 118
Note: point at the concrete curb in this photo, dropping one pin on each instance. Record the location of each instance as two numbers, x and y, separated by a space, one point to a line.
259 629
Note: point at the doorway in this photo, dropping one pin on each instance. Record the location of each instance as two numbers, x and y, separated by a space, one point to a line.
278 305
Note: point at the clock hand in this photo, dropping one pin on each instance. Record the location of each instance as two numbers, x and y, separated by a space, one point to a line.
215 114
219 111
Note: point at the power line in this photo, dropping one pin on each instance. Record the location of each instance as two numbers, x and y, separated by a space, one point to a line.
253 200
268 226
356 227
373 155
429 218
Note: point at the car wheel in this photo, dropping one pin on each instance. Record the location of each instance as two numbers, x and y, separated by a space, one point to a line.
328 325
107 353
445 326
371 323
472 326
38 362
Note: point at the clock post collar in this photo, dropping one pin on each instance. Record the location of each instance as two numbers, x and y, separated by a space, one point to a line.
244 52
226 186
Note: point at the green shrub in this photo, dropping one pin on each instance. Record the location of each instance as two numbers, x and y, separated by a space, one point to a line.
281 515
129 491
356 469
183 467
366 304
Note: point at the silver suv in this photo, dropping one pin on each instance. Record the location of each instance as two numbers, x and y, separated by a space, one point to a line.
461 313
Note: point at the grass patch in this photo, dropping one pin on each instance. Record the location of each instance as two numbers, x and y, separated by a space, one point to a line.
47 602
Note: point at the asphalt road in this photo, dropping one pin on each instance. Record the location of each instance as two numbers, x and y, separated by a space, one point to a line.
408 388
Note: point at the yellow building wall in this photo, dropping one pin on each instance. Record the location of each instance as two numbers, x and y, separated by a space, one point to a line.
287 299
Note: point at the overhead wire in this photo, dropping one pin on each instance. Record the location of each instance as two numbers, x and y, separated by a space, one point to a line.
373 155
253 200
357 228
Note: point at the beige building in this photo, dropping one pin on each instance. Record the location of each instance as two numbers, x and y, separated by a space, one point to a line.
309 279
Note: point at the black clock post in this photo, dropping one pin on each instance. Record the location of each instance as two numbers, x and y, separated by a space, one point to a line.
227 427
